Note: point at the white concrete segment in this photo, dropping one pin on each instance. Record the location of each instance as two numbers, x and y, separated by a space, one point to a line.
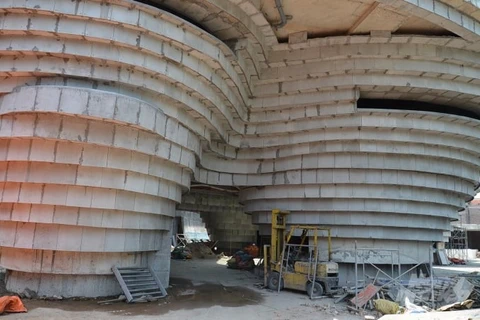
87 172
109 109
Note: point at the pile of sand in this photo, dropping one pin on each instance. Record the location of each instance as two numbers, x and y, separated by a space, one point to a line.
200 250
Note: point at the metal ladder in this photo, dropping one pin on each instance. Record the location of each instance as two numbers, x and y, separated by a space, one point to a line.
139 283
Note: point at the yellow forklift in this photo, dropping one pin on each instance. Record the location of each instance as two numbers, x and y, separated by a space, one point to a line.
296 265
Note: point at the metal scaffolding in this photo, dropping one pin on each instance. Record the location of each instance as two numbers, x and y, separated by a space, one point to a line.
395 278
457 244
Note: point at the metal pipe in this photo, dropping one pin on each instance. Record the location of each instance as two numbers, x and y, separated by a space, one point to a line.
329 245
283 17
266 264
430 265
356 275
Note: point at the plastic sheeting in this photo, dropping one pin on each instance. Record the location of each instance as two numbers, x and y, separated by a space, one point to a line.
11 304
193 226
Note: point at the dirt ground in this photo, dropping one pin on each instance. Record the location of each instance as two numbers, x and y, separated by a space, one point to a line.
206 289
199 289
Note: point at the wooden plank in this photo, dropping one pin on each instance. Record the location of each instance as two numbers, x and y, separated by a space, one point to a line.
341 298
365 295
122 283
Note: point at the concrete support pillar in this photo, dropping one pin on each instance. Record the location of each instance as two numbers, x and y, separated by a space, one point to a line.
89 180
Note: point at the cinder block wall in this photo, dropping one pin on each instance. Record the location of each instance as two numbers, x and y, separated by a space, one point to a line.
224 218
233 229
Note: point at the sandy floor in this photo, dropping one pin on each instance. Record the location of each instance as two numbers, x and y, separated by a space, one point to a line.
200 289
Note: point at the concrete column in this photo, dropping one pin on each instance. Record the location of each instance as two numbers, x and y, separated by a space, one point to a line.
89 180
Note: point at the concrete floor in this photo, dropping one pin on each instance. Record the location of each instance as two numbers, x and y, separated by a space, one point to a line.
206 289
200 289
471 266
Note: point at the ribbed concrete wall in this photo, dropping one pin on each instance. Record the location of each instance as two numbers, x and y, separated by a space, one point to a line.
97 144
108 108
396 178
83 189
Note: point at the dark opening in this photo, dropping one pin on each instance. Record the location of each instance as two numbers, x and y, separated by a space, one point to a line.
414 106
179 14
473 239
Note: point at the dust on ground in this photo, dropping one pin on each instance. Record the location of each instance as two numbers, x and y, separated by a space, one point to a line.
202 290
183 295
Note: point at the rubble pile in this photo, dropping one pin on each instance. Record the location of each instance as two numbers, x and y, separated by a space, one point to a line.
474 279
200 250
181 253
415 295
193 250
243 259
419 291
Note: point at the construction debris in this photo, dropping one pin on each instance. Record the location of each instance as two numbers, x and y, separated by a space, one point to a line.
110 301
241 260
365 295
451 315
449 293
28 294
385 306
11 304
413 308
193 250
181 253
457 261
419 291
459 292
474 279
467 304
200 250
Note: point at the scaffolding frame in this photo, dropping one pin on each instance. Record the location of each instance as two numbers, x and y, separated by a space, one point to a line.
458 243
393 278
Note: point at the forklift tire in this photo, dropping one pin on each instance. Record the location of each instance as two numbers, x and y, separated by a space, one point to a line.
273 281
317 290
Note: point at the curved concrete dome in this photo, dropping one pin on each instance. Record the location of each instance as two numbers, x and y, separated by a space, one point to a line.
110 110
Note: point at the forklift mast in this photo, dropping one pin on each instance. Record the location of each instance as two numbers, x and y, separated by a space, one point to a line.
280 237
279 225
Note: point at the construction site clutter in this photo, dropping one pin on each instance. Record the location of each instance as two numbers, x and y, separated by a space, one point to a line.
11 304
181 253
243 259
200 250
194 250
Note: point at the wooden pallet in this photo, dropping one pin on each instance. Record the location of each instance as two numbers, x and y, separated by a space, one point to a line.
138 283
